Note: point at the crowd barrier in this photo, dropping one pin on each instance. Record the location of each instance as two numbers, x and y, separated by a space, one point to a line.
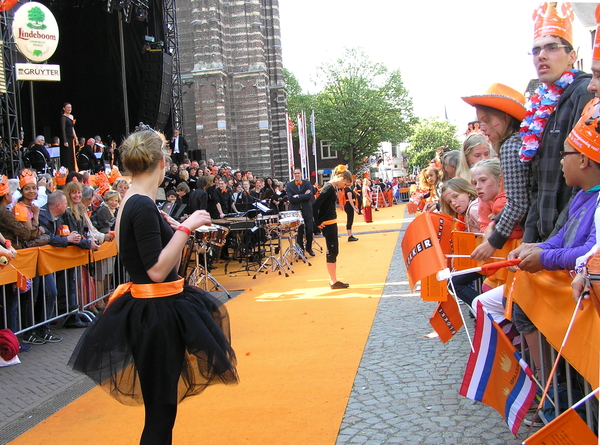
90 275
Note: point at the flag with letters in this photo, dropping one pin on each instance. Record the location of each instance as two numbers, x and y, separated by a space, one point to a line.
427 239
496 374
446 319
568 428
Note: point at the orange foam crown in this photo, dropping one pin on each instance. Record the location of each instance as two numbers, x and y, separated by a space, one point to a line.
585 136
548 22
27 177
596 53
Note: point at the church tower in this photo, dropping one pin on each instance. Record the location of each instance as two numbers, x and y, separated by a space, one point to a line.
233 88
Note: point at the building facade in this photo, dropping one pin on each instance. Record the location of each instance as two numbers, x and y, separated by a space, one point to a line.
234 98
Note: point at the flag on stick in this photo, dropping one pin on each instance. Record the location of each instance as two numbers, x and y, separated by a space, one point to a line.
426 240
303 145
446 320
568 429
290 144
496 374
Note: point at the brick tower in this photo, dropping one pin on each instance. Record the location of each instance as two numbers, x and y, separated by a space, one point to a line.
233 88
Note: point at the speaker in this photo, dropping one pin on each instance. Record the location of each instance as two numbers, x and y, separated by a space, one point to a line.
157 81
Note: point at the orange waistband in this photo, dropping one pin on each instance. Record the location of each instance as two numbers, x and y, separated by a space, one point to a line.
329 222
151 290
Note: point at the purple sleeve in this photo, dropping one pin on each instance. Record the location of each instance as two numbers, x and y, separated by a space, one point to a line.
564 258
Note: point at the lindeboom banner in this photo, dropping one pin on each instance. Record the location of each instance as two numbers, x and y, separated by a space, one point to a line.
35 31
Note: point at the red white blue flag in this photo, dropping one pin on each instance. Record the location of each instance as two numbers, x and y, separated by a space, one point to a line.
496 374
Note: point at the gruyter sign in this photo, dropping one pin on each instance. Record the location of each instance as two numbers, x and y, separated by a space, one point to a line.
35 31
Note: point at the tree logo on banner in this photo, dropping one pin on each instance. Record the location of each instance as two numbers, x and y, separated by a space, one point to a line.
35 31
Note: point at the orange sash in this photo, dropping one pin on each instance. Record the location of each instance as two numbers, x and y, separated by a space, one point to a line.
151 290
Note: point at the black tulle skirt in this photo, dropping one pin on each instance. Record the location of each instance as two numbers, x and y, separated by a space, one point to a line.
180 341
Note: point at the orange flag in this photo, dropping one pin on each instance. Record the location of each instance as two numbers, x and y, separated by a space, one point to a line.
446 320
21 281
433 290
545 297
567 429
463 244
425 242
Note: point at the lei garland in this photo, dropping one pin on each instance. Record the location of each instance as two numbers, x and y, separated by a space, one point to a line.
539 108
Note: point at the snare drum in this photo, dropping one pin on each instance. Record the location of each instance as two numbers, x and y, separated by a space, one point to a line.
205 234
290 223
267 221
221 235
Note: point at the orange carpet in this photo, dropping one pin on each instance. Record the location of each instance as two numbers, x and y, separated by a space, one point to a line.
298 344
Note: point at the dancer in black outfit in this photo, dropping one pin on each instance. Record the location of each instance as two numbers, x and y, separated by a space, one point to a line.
158 340
67 150
326 220
350 208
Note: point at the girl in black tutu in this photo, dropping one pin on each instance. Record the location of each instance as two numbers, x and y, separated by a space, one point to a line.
158 340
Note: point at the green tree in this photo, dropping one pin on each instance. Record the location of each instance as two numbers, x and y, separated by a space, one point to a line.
429 135
37 16
296 100
362 105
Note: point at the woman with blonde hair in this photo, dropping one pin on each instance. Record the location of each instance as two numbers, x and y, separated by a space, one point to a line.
158 340
475 148
325 216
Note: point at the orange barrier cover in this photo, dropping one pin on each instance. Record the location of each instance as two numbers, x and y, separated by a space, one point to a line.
546 299
25 262
107 249
52 259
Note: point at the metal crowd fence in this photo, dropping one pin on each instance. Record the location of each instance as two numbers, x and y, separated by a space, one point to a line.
48 284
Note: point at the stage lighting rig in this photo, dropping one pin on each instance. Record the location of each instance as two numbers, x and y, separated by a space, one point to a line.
127 8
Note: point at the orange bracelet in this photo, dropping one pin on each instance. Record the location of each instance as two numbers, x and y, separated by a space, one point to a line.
185 229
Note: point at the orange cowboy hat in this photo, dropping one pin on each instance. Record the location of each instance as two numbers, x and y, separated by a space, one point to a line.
501 97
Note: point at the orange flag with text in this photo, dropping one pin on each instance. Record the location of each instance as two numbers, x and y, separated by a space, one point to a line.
566 429
446 320
427 239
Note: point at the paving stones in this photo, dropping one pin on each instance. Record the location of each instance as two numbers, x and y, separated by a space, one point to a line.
406 388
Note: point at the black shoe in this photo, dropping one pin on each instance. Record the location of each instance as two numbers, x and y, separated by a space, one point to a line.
211 267
339 285
310 252
352 238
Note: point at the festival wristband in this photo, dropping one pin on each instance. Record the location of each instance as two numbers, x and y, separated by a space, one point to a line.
187 231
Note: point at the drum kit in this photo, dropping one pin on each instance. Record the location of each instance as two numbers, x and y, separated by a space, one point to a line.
268 231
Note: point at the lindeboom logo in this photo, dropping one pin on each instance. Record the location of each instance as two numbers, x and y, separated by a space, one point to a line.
35 31
420 247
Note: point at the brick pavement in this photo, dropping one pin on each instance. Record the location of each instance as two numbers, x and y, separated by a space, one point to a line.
405 392
406 388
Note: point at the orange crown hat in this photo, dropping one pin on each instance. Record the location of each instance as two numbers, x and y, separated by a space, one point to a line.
596 53
101 181
26 177
585 136
548 22
4 189
114 175
503 98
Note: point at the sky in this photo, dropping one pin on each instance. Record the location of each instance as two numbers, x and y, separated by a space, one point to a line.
443 49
